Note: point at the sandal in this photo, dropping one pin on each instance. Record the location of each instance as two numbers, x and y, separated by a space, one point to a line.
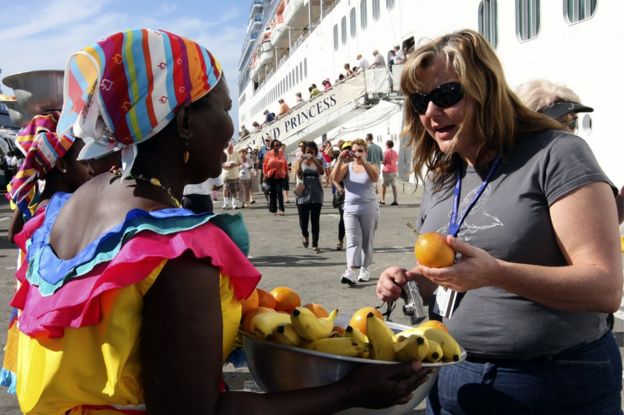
305 242
316 250
339 246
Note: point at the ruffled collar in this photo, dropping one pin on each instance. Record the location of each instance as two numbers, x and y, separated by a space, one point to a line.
50 273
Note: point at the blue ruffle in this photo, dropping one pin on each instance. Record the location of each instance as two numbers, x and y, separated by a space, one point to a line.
49 273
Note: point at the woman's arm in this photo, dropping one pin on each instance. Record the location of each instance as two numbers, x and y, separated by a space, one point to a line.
181 357
585 224
371 170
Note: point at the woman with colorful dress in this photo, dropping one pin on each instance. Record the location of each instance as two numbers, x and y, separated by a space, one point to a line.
137 312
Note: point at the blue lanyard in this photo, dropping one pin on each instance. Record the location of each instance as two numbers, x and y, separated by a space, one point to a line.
454 225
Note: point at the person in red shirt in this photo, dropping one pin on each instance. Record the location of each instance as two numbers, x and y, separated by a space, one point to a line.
390 172
275 169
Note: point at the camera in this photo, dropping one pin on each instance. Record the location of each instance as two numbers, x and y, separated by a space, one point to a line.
413 307
351 153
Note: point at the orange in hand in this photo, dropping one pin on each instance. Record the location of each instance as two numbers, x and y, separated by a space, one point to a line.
358 320
431 250
287 299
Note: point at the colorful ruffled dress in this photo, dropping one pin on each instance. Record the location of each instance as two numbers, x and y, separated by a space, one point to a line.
79 320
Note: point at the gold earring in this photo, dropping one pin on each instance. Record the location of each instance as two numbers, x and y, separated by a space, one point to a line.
64 170
187 153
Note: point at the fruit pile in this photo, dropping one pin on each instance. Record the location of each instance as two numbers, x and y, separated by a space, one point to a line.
279 317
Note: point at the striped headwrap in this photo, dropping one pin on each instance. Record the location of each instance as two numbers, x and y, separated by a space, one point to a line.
42 147
126 88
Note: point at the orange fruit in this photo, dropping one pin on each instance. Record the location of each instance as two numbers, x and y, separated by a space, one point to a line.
358 319
246 324
435 324
251 302
265 299
317 309
287 299
431 250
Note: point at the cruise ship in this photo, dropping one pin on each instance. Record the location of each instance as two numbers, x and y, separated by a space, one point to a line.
291 44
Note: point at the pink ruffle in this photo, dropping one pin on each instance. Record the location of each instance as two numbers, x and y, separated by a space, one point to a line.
77 304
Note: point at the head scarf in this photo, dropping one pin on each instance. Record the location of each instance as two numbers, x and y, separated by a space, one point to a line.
42 147
124 89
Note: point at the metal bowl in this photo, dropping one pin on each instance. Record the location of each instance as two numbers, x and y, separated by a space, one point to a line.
276 367
37 92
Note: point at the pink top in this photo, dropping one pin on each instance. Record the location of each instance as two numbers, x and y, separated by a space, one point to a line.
390 161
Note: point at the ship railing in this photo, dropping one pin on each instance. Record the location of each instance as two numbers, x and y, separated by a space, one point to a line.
341 102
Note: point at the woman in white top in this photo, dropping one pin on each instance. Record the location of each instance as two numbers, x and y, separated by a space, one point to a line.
245 173
361 209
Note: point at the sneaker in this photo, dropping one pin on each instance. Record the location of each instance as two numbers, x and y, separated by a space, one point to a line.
225 207
234 207
364 275
395 203
316 250
348 277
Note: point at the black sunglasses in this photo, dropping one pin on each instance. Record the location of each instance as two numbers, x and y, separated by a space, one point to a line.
443 96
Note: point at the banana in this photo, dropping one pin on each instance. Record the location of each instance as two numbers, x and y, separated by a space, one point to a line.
286 334
354 333
435 351
380 339
450 348
414 347
309 326
342 346
264 323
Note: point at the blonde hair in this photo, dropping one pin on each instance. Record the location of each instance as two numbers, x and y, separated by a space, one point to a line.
499 116
540 93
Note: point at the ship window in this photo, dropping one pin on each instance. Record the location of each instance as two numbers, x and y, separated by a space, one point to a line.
363 18
305 68
301 70
335 37
343 29
376 9
353 22
527 19
577 10
389 4
488 21
297 74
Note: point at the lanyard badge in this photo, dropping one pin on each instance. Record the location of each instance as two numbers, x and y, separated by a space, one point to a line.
446 300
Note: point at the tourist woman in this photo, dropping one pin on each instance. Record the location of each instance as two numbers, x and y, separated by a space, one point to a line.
531 213
275 169
309 203
361 209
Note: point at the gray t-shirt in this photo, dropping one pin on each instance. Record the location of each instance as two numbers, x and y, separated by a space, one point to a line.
375 154
511 221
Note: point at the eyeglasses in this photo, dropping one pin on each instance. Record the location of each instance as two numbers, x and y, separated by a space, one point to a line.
443 96
359 150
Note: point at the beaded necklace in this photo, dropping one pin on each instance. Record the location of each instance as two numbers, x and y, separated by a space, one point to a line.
150 180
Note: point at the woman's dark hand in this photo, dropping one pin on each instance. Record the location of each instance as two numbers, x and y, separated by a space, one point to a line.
381 386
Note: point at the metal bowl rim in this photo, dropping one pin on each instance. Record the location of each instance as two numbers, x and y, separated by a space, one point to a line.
250 337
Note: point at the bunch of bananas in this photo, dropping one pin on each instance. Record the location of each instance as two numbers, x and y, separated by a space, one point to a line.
302 328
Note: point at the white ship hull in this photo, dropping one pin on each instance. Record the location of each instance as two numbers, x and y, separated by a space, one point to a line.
580 55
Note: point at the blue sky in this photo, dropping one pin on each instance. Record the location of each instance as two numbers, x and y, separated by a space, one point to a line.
41 34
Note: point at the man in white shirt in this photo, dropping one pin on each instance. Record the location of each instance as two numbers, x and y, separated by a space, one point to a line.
231 177
362 63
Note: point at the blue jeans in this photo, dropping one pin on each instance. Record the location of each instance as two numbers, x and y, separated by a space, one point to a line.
582 380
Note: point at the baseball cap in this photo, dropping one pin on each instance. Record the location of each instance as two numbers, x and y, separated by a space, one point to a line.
561 108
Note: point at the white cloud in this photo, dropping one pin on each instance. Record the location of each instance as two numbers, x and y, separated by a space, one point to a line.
46 36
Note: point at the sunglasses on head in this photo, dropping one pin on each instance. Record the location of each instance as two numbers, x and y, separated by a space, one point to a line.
443 96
